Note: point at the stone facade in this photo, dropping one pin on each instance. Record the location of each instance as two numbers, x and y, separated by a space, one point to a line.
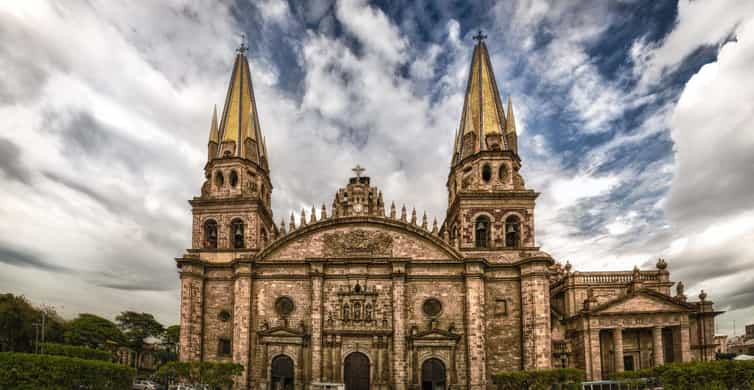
377 297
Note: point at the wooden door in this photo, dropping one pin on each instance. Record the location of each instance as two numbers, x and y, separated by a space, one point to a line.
356 372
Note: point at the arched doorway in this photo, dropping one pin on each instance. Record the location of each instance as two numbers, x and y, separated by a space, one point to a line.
356 371
433 375
281 374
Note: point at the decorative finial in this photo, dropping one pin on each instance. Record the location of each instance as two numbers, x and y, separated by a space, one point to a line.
392 210
403 213
679 290
661 264
282 227
242 49
424 221
292 223
303 218
568 266
636 273
413 216
702 296
358 170
479 37
434 226
323 214
313 215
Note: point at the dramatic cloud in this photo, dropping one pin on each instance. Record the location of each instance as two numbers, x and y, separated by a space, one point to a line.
634 124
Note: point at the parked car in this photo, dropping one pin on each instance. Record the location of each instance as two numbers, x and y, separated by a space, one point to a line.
142 384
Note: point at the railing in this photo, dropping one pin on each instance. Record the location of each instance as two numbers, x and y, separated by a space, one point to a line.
614 277
639 384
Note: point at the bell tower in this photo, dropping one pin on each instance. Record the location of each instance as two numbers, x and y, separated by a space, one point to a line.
234 210
489 208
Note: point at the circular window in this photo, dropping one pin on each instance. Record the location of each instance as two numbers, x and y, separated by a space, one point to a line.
233 178
432 307
486 173
284 306
224 316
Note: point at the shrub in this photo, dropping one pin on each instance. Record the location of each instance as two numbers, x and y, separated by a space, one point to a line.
719 374
75 351
210 373
564 378
22 371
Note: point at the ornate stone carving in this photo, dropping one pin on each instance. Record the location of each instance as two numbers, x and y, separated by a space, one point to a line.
358 243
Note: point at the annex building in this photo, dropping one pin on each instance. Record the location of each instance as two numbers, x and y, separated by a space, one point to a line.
375 297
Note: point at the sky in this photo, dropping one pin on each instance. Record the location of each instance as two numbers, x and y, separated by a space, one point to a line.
635 119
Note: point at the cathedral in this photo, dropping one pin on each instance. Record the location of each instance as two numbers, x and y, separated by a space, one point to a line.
373 296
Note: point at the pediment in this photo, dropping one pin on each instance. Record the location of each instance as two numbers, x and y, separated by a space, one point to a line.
359 237
435 334
281 332
641 302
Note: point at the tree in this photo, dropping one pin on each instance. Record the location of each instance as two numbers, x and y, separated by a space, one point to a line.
210 373
137 327
92 331
16 319
20 324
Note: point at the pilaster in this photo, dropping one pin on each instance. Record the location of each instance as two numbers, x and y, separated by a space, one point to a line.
475 330
192 311
399 327
535 312
242 321
315 273
657 351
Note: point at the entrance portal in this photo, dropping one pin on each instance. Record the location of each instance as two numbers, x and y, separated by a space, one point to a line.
433 375
281 373
356 371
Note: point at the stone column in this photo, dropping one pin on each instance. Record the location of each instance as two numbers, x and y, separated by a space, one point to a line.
242 321
685 341
618 346
315 275
475 329
399 326
327 363
338 351
594 353
192 307
657 351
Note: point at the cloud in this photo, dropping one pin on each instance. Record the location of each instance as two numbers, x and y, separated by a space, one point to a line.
25 259
10 161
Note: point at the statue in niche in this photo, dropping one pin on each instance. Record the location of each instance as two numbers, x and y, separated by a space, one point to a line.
205 188
357 311
368 312
346 312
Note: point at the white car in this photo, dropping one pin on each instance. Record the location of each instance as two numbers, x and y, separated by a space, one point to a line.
145 385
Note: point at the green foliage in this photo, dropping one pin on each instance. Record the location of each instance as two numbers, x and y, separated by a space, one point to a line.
172 334
21 371
719 374
92 331
75 351
17 316
565 378
138 326
212 374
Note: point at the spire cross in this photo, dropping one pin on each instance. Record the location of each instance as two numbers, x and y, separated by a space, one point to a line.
479 37
358 170
242 49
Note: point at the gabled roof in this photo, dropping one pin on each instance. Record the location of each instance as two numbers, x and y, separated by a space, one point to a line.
643 301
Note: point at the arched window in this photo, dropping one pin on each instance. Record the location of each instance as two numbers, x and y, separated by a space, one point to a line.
482 232
502 173
210 234
357 311
236 231
512 232
219 179
486 173
233 178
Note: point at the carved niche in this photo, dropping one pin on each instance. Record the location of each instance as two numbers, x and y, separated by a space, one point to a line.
358 243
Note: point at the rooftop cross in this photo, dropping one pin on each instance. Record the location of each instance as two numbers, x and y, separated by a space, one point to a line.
358 170
242 49
479 37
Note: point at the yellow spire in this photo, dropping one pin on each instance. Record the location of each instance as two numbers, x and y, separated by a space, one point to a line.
214 135
239 125
483 114
510 121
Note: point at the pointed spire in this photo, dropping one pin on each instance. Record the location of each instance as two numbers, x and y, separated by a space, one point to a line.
403 213
303 218
483 122
323 214
424 221
239 128
434 226
214 135
413 216
510 127
282 227
313 216
292 223
392 210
